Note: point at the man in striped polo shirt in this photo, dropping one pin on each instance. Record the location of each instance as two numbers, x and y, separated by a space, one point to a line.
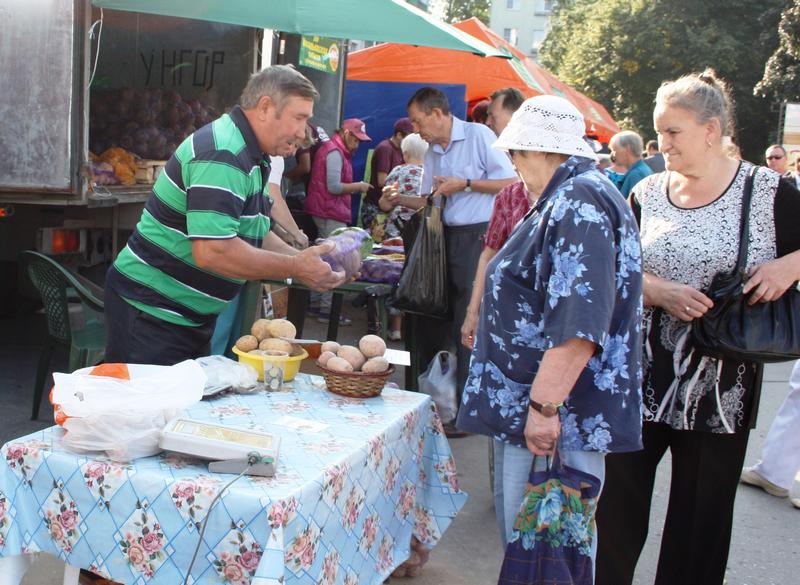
200 235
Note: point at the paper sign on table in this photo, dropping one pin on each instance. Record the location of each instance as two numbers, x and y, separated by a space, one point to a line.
398 357
300 424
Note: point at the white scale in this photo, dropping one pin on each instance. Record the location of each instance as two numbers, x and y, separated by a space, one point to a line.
231 449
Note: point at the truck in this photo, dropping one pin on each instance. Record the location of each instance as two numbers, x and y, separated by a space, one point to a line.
80 83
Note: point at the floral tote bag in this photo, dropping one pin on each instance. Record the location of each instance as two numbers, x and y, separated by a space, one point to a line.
553 531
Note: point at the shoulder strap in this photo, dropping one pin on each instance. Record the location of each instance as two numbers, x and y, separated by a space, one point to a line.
744 234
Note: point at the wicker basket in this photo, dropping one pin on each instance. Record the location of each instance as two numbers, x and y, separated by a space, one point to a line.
355 384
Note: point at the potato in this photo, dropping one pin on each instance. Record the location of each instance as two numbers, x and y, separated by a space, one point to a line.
375 365
372 346
330 346
338 364
324 357
278 344
247 343
282 328
260 329
352 355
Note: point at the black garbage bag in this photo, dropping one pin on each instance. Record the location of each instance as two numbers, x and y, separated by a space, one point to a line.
422 287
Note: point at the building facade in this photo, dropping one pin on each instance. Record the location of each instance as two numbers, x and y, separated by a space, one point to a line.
523 23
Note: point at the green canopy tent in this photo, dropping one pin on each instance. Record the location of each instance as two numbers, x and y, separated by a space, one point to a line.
368 20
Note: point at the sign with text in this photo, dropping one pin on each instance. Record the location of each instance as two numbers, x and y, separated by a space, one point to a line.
320 53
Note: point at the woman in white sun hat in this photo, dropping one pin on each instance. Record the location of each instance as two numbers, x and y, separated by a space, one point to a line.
557 355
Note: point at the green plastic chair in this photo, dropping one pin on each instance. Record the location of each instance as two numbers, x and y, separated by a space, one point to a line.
57 286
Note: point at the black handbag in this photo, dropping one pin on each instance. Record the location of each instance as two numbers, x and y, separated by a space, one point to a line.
732 329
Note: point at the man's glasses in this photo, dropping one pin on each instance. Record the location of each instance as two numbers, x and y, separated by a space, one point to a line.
775 157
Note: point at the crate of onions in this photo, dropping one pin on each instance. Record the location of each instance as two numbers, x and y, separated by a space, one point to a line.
356 372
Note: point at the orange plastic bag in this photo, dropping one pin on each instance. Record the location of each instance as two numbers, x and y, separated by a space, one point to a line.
124 164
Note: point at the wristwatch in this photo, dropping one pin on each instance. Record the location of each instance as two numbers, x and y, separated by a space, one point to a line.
548 409
468 188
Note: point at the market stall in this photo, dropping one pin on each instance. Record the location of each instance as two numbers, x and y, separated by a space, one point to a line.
390 65
356 478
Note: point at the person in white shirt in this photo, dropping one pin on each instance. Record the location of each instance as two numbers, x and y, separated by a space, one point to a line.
461 166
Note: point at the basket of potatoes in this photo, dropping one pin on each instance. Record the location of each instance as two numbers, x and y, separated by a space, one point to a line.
267 344
356 372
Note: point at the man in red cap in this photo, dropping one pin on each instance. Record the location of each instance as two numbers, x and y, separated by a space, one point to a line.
387 155
329 190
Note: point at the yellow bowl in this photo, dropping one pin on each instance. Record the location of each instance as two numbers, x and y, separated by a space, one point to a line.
290 369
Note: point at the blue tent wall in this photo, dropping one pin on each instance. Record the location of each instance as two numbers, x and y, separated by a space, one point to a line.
380 103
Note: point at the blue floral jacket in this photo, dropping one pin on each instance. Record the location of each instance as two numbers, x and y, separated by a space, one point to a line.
571 268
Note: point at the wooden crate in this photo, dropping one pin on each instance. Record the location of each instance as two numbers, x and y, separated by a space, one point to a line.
147 170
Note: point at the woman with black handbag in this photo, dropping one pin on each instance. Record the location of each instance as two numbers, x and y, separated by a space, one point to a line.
699 407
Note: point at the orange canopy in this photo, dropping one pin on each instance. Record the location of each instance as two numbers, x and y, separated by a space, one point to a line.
481 75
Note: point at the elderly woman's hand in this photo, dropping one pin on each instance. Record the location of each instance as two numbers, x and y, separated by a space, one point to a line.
679 300
770 280
390 197
541 432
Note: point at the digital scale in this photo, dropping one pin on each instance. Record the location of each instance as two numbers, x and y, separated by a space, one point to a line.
230 449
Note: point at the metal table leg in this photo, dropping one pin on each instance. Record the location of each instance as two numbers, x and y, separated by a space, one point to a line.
380 302
411 326
298 307
333 320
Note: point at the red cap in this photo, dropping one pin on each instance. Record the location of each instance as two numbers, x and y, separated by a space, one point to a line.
357 127
404 125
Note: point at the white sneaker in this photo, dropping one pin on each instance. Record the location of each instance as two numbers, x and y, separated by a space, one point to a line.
395 335
751 477
795 502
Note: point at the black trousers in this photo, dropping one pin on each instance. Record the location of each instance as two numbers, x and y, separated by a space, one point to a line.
134 337
697 530
464 245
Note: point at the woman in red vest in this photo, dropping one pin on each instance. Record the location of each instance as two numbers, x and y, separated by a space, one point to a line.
329 190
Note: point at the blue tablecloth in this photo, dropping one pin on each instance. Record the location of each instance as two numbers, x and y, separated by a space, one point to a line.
352 487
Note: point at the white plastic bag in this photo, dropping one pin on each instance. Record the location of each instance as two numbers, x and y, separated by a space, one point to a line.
122 418
119 436
223 373
439 382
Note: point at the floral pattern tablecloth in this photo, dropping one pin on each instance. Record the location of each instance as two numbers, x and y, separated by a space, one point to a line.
351 488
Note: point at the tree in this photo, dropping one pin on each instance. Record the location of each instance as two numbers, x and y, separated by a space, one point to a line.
620 51
781 79
458 10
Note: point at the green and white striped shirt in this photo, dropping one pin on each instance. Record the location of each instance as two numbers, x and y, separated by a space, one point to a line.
213 187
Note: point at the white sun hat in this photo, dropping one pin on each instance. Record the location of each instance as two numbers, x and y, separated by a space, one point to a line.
546 123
